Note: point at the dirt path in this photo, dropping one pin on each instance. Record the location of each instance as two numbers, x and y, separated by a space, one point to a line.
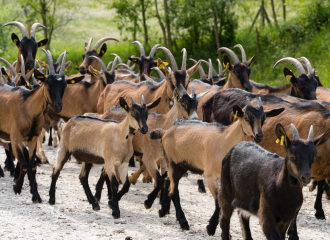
73 218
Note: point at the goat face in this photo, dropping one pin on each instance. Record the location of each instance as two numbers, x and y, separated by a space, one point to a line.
87 61
300 153
253 118
145 64
302 87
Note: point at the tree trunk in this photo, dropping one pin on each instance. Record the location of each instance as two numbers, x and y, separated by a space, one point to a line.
257 34
274 13
215 23
144 23
134 31
168 27
284 17
262 13
44 21
161 24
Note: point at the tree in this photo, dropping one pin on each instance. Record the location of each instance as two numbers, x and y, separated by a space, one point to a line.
53 14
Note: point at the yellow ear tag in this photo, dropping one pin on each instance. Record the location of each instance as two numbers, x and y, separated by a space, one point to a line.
288 77
72 81
102 52
125 107
161 66
27 84
65 70
40 77
235 116
41 44
166 63
277 140
223 64
282 140
15 41
227 66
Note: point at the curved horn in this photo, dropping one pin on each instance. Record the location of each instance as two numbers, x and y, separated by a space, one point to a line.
50 62
220 68
132 99
310 134
242 52
89 45
260 103
20 26
184 59
109 65
200 68
294 132
294 61
103 67
58 61
142 52
232 55
22 67
160 73
119 59
143 102
62 70
183 90
307 63
153 50
214 73
114 65
210 69
129 61
39 68
170 56
125 66
14 63
102 40
248 102
34 28
8 65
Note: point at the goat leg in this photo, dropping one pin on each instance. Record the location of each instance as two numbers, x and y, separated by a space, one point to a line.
115 206
179 213
214 221
1 172
327 189
50 140
318 202
10 166
292 231
166 201
32 153
83 177
22 170
124 189
131 162
245 226
99 187
153 195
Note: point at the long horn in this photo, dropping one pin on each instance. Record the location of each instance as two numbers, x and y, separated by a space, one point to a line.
143 102
103 67
89 45
242 52
294 132
39 68
153 50
8 65
114 65
125 66
310 134
22 67
109 65
214 73
20 26
34 28
14 63
160 73
102 40
248 102
210 69
260 103
171 57
232 55
184 59
119 59
307 63
142 52
200 69
129 61
58 61
62 70
132 99
50 62
220 68
294 61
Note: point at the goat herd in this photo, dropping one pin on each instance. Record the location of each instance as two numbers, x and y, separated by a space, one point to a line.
250 136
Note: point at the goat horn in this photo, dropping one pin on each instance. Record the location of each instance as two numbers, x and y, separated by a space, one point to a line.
294 132
310 134
210 69
89 45
11 68
143 102
20 26
39 68
14 63
170 56
103 67
109 65
182 90
232 55
114 65
200 69
260 103
125 65
119 59
129 61
242 51
58 61
153 50
62 69
102 40
305 61
220 68
294 61
248 102
50 62
133 101
214 73
193 91
142 52
34 28
22 67
160 73
184 59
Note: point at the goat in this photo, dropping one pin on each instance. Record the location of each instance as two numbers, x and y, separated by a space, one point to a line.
108 142
150 90
57 64
217 79
182 153
266 185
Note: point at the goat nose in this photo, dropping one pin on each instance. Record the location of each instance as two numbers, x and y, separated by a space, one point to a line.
58 107
306 178
144 129
82 70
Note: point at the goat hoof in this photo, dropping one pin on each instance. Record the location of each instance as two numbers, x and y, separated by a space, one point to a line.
147 205
51 201
116 214
97 197
184 225
96 207
293 236
320 215
17 189
185 175
210 230
1 173
162 213
36 199
201 190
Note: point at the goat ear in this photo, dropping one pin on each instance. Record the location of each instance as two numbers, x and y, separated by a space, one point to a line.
23 82
319 84
67 65
123 104
103 49
93 71
74 80
133 66
155 64
280 131
5 74
42 42
162 67
274 112
322 139
43 64
134 59
226 63
238 111
28 76
39 76
249 62
154 104
15 39
147 77
193 69
289 76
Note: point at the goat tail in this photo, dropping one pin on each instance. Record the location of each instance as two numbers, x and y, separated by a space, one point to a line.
157 134
61 124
